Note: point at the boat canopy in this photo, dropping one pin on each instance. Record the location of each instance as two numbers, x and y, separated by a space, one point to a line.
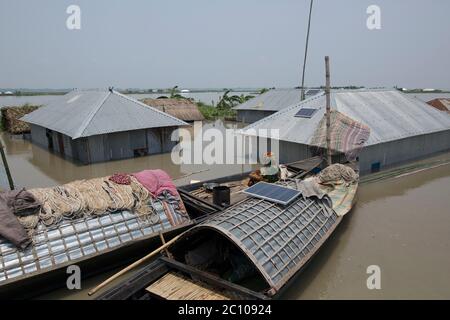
277 239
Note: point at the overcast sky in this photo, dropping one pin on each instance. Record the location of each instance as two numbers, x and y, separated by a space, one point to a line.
227 43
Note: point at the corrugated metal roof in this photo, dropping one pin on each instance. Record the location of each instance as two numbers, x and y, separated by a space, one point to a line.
83 113
390 115
277 239
274 100
73 241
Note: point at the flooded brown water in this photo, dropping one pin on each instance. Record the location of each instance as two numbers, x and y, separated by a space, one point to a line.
401 225
32 166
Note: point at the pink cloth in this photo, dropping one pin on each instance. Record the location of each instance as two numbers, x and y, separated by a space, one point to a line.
156 181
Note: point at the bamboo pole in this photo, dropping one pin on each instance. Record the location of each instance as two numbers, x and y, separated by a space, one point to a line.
163 241
328 114
5 164
133 265
191 173
302 97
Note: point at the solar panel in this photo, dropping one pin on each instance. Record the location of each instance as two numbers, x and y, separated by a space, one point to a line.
305 113
272 192
312 92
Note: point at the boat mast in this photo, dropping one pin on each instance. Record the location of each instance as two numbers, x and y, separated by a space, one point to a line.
302 96
328 114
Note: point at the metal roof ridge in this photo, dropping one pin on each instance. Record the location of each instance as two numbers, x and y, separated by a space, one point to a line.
149 107
265 94
254 98
88 120
361 90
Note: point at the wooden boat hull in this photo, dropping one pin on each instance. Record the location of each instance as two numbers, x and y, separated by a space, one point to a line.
123 238
135 287
31 286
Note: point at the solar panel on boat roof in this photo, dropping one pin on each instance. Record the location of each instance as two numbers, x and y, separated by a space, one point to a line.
272 192
305 113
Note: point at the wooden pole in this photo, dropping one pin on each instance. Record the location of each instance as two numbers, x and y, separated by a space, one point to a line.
328 114
302 97
5 164
163 241
133 265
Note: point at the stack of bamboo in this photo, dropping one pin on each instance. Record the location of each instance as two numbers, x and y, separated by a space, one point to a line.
174 286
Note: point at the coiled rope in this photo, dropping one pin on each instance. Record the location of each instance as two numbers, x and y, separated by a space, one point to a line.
84 198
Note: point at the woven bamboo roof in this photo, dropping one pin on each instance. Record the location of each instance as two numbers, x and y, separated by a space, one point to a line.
182 109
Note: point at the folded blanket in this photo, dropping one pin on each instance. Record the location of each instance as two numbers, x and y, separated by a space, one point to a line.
309 188
12 204
336 185
156 181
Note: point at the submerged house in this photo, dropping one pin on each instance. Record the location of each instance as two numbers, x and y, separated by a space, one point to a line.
101 125
402 128
183 109
270 102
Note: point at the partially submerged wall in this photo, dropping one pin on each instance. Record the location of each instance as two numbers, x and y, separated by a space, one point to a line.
250 116
384 155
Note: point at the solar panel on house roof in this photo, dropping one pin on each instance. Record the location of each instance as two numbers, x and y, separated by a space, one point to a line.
272 192
305 113
311 92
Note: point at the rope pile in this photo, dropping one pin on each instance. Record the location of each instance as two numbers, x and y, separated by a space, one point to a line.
86 198
337 172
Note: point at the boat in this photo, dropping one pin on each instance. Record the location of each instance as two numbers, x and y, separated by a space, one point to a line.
251 250
99 243
94 243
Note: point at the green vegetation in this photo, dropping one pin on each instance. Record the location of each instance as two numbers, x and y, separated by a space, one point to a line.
211 113
228 102
224 108
174 93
